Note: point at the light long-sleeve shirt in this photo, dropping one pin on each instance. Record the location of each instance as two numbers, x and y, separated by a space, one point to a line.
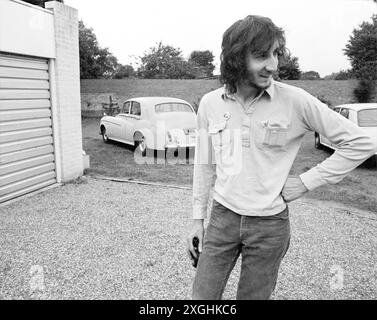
247 152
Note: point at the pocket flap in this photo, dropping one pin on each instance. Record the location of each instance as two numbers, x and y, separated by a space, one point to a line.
275 125
216 127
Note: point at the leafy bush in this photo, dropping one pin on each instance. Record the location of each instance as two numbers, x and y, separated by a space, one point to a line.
341 75
123 71
364 91
288 68
203 59
166 62
310 75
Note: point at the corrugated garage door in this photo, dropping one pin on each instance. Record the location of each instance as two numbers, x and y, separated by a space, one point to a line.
27 160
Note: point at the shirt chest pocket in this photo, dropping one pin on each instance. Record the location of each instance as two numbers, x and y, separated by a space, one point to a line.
228 155
220 135
272 134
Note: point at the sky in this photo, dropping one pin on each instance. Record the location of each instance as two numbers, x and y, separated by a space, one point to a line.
316 30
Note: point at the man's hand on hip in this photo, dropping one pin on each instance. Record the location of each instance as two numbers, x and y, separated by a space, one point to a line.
197 230
293 189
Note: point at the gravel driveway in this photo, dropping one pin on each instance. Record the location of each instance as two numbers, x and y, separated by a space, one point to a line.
96 239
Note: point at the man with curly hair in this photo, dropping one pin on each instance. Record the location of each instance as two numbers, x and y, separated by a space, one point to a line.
249 133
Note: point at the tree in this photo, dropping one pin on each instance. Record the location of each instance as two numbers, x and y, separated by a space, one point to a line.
204 59
165 62
361 50
310 75
95 62
40 3
124 71
288 68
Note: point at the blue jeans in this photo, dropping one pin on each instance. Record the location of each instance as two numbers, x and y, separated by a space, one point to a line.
262 243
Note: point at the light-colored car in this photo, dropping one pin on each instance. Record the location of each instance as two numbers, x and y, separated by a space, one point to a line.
156 123
362 114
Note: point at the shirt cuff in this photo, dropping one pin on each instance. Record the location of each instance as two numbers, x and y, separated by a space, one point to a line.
199 212
312 179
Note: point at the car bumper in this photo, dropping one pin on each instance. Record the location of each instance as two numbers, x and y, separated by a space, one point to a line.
178 146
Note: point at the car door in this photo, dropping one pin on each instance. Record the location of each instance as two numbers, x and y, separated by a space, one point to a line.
132 120
123 121
119 119
111 123
366 119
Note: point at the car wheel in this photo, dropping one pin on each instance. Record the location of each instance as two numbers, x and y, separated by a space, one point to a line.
105 137
142 145
317 142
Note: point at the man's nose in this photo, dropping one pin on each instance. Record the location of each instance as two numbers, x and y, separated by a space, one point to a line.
272 64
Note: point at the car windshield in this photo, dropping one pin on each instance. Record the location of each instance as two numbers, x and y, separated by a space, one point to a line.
368 118
172 107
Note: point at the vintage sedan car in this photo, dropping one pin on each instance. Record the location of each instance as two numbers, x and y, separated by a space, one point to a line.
362 114
156 123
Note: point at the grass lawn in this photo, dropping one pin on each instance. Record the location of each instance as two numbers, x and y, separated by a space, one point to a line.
96 91
93 90
117 160
359 189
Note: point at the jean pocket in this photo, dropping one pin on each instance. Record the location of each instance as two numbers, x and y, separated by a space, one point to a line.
221 215
217 215
284 215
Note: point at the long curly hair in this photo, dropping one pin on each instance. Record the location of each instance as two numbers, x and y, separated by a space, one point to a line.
253 34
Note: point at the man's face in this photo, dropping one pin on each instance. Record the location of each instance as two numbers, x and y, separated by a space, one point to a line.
261 67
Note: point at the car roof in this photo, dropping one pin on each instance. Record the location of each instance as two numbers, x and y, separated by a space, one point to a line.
152 101
358 106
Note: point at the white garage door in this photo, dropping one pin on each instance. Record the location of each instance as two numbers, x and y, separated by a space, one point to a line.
27 160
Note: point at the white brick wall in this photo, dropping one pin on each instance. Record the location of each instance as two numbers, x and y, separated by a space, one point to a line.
67 87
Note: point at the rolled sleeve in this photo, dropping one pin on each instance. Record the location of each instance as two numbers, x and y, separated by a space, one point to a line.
353 145
204 168
203 182
312 179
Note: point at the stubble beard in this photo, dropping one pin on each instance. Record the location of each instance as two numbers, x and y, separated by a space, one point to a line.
250 81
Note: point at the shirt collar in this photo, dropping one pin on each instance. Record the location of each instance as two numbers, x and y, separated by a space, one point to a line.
270 91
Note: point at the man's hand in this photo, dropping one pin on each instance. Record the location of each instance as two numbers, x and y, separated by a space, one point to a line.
197 230
293 189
